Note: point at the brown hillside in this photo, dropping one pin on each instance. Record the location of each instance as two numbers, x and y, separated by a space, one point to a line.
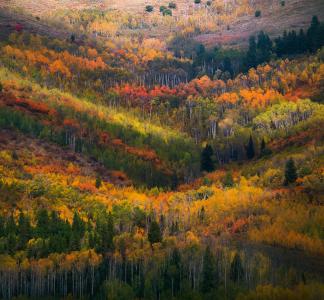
223 22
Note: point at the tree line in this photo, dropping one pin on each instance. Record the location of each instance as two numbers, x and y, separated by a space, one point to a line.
97 258
262 48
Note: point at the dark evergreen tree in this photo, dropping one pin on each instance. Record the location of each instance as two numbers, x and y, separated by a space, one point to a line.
60 234
290 172
207 163
292 43
250 148
264 47
250 60
11 227
75 242
42 223
313 34
209 274
24 230
78 225
78 230
149 8
154 234
279 45
236 271
263 146
106 232
162 8
54 221
257 13
302 42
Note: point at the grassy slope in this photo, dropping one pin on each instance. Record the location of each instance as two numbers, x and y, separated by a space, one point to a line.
168 145
69 176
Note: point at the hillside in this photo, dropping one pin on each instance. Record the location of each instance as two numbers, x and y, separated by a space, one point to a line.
117 139
214 23
161 150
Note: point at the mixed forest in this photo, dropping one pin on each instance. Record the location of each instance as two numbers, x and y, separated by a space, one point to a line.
148 150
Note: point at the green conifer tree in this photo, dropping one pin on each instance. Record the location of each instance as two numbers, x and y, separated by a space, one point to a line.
154 234
290 172
207 163
43 223
24 230
250 60
250 148
209 276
